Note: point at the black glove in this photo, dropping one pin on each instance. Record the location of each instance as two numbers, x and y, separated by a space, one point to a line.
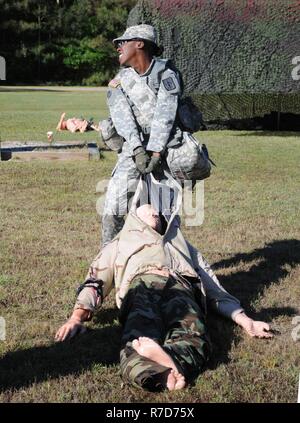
141 159
154 164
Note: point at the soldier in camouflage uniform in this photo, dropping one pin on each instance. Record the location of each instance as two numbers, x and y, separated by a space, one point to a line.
142 99
162 291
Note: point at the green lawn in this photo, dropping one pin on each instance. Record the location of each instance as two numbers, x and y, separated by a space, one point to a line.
29 115
50 231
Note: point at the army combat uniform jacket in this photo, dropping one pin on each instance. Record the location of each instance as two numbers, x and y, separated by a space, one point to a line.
144 107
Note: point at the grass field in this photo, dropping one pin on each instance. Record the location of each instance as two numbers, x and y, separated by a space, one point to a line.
29 114
50 231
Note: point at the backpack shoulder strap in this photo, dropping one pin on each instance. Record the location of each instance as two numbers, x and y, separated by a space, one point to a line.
160 65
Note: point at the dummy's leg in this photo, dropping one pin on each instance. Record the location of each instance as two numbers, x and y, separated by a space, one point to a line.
139 313
142 372
59 125
150 349
141 318
186 338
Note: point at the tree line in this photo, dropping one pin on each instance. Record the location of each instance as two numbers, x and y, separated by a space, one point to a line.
61 41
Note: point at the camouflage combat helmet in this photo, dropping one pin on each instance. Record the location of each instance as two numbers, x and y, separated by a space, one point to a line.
141 32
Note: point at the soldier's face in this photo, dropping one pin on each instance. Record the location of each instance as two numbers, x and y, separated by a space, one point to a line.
127 51
150 216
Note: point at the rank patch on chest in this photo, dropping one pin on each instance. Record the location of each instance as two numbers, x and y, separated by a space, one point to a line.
169 84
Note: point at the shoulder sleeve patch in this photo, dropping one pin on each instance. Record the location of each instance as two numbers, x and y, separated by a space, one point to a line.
114 83
169 84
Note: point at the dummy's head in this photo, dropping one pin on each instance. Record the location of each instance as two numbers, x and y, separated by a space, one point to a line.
150 216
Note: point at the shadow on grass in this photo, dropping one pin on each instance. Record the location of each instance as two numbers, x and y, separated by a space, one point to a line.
105 316
274 260
24 367
101 346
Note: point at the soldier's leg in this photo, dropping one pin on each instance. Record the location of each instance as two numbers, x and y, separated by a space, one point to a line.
186 338
121 188
140 316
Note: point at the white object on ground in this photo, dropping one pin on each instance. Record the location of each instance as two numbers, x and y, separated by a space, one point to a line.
50 136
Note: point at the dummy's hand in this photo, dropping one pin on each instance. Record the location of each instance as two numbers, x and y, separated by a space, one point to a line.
141 159
253 328
258 329
71 328
154 163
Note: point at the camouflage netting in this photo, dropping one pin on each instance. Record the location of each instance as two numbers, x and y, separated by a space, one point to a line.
236 56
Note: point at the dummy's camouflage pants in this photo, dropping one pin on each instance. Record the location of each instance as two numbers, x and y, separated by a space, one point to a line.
165 310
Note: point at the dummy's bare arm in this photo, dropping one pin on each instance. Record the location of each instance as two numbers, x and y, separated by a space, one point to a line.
89 297
253 328
73 326
97 285
224 303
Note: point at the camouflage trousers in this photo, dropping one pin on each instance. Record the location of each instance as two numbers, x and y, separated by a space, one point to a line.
121 188
165 310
